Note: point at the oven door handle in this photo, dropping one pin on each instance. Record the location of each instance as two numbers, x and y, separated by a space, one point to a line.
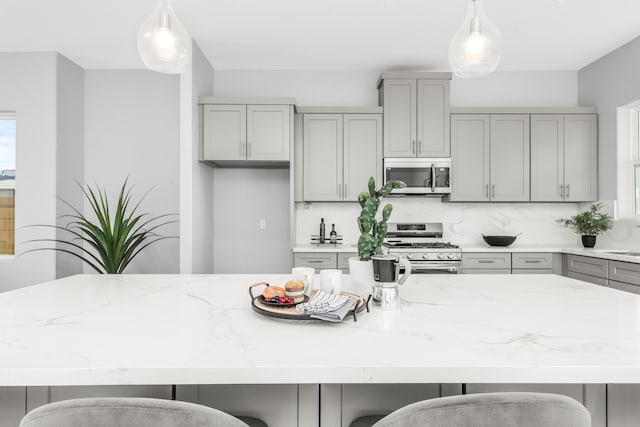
434 266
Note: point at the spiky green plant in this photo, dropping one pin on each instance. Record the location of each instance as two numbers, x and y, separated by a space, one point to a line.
109 243
373 231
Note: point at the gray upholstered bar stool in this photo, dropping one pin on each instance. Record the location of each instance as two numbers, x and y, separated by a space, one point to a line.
488 410
131 412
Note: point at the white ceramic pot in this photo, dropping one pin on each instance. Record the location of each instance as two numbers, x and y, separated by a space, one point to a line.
361 276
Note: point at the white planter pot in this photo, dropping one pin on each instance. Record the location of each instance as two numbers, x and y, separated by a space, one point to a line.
361 276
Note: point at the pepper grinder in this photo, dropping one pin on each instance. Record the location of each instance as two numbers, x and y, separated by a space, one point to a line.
322 235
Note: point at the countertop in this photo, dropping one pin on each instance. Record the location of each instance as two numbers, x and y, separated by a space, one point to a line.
200 329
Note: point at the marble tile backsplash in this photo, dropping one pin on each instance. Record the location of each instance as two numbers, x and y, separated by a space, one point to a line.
463 222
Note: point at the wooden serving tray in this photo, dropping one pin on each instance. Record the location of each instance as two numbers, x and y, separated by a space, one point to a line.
290 312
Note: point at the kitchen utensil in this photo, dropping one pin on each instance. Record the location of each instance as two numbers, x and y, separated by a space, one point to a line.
386 274
500 240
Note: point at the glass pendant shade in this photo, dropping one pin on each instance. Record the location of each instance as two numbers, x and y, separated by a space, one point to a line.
476 47
163 43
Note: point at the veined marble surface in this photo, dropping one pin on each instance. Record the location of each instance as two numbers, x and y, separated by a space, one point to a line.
173 329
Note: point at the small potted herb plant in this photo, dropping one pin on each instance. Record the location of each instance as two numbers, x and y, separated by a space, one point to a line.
372 233
589 224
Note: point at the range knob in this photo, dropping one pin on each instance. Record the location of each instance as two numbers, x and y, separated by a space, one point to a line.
451 256
441 256
425 256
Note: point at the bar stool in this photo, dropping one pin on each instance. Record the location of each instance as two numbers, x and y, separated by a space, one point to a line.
139 412
487 410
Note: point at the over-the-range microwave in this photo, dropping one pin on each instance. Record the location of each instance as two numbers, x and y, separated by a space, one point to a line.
423 176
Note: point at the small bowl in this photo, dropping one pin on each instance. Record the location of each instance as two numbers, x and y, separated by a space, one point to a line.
499 240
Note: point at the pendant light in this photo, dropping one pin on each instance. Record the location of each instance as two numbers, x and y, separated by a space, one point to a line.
163 43
476 47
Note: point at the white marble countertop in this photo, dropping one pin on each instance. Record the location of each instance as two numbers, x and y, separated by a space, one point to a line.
173 329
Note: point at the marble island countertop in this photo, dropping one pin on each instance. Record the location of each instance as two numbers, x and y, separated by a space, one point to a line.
200 329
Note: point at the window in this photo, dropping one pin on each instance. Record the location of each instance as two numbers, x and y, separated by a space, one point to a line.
7 182
635 158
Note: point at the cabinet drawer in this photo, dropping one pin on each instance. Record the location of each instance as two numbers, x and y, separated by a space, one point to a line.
626 272
587 265
343 259
531 260
586 278
486 271
532 271
315 260
486 260
624 287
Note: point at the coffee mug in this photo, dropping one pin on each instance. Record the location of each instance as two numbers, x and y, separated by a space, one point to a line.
331 281
304 274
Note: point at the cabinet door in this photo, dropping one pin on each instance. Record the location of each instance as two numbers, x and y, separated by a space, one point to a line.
547 157
362 153
580 157
225 132
322 157
399 102
634 289
268 132
509 157
470 157
627 272
433 118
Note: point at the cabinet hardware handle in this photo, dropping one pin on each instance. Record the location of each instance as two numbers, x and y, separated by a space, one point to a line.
562 191
419 147
339 191
433 178
486 190
413 147
345 191
315 261
493 191
532 261
485 261
241 149
567 191
248 150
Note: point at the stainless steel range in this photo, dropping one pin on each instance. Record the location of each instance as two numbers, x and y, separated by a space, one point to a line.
421 243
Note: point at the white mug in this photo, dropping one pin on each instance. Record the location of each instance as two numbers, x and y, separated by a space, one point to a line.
331 281
304 274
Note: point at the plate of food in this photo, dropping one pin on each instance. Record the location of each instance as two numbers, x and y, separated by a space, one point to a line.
277 296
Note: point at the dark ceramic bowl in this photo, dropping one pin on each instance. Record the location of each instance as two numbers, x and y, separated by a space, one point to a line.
499 240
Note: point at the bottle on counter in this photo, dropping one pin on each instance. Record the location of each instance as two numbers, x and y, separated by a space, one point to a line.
322 235
333 236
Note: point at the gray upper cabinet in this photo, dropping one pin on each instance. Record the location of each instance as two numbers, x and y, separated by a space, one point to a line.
564 157
416 114
236 133
340 153
490 157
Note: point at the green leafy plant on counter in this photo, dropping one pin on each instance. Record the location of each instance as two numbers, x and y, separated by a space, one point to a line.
373 231
589 223
109 243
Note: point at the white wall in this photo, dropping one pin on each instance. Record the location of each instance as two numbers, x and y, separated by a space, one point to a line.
132 129
70 153
608 83
28 87
196 179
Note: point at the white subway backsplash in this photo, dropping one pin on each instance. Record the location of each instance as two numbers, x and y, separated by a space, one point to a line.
464 223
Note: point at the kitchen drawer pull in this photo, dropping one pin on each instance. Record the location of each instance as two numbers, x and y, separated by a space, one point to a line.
533 261
315 261
486 261
413 147
562 191
567 191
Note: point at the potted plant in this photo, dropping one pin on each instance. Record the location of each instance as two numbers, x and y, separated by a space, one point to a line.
109 243
372 233
589 224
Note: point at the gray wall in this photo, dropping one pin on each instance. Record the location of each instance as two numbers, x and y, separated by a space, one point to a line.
608 83
28 87
132 129
70 153
196 179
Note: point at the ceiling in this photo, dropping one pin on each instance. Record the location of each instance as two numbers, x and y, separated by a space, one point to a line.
324 34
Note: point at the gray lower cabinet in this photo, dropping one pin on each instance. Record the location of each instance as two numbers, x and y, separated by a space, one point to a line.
486 263
587 278
626 272
588 269
564 157
490 157
340 153
623 405
324 260
531 263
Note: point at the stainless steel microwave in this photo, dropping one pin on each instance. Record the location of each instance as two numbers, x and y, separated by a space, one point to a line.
423 176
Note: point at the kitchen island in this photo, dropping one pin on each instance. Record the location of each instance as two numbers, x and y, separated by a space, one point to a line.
155 330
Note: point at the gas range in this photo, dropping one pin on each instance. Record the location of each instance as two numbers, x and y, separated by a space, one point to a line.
422 244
